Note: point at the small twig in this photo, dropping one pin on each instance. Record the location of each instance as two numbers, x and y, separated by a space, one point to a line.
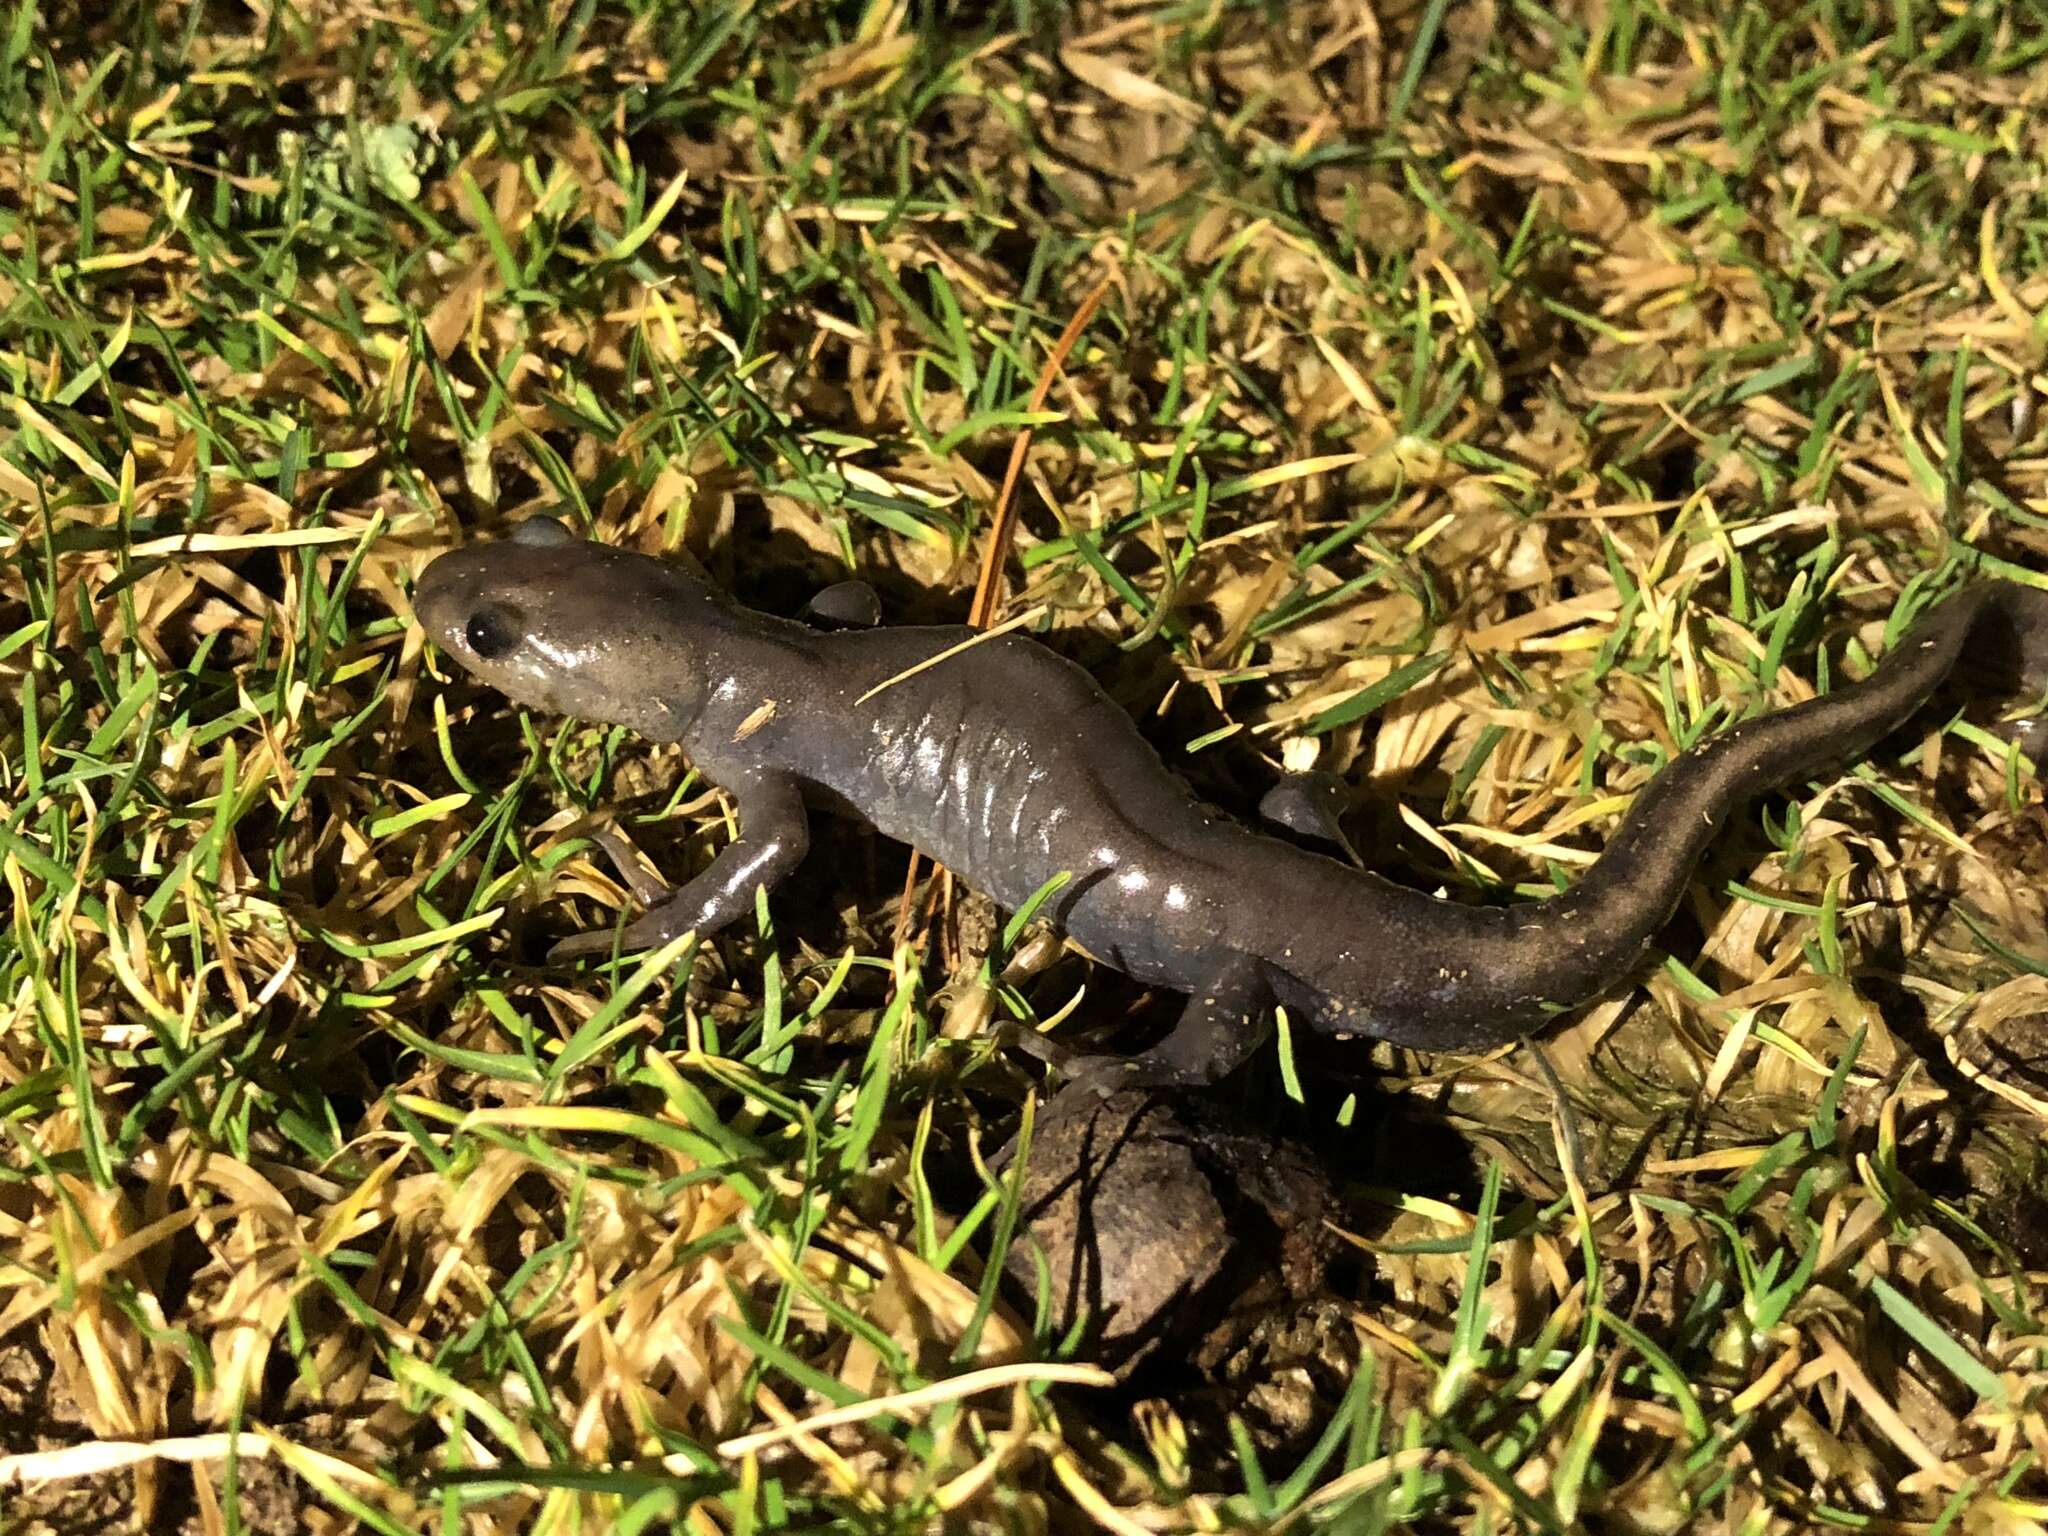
950 1390
1003 532
951 651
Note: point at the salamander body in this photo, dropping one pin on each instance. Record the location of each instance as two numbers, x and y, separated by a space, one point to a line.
1008 765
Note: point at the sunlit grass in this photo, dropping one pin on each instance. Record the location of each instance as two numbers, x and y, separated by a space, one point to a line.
1484 403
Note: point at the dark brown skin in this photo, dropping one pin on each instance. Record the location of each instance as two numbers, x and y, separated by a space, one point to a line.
1008 765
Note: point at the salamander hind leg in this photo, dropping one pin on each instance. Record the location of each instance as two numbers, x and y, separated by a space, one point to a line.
1225 1022
1310 804
845 605
2031 732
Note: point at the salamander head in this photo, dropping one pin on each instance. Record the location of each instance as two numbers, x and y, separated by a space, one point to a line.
571 626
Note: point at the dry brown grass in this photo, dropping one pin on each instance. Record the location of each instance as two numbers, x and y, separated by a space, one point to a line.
1637 361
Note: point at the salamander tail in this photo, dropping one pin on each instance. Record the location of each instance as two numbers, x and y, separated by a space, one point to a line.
1504 971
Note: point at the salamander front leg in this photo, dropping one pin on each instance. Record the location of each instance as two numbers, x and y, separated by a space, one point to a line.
1223 1024
774 836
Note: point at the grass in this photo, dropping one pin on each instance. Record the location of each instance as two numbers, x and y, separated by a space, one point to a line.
1484 402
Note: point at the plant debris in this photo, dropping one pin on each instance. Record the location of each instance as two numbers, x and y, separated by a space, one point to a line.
1483 402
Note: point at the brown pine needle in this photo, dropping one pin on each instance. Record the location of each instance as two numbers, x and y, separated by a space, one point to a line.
995 552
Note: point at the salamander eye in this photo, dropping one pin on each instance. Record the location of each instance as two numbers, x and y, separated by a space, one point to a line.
492 631
541 533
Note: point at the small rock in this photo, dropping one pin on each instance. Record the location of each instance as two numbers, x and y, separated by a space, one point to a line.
1166 1221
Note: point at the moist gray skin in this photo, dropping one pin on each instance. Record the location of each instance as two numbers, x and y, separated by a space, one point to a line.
1008 765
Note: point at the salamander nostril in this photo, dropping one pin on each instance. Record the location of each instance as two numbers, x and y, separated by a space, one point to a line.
492 631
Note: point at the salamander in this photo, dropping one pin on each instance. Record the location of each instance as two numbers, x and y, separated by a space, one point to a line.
1007 764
